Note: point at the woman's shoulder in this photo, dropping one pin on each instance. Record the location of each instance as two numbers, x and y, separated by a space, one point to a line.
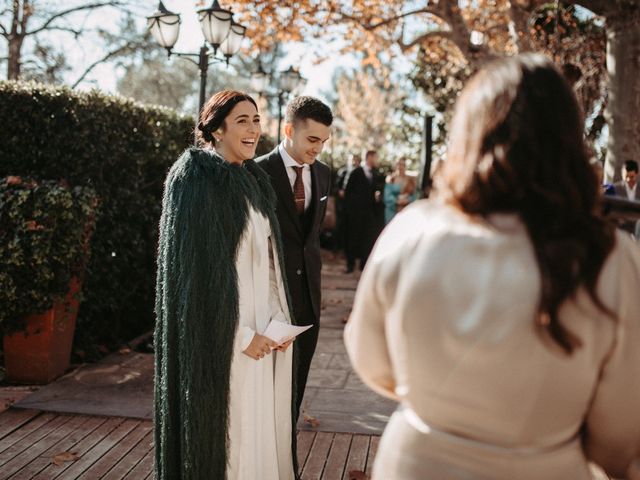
197 163
623 263
194 157
421 221
429 215
435 225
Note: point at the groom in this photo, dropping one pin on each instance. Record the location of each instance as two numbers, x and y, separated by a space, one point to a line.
302 187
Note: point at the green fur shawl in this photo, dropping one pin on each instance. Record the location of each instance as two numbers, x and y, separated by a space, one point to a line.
204 213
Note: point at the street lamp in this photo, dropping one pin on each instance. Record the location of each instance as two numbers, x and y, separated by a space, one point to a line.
221 34
286 82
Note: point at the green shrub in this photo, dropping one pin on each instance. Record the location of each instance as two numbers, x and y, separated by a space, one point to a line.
44 229
122 150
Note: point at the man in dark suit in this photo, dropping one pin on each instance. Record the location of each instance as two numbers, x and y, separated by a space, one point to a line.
342 178
628 188
364 214
302 186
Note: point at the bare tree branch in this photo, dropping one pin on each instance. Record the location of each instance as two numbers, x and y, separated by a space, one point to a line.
64 13
3 31
31 61
76 33
129 46
460 34
386 21
418 40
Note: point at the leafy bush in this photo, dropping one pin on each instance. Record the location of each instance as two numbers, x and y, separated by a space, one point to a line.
44 228
122 150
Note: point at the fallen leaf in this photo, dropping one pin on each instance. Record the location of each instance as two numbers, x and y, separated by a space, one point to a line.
31 225
358 475
13 180
310 420
62 457
124 351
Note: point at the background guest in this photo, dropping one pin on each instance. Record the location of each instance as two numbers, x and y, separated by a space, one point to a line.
399 190
362 207
628 188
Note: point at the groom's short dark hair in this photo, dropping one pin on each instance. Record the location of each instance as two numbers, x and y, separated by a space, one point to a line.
305 107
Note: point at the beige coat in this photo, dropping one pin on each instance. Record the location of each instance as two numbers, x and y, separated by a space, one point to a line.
443 320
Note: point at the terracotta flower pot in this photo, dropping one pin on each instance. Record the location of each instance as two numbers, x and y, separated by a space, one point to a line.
42 351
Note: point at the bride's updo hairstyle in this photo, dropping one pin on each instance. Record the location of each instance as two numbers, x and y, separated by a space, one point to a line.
516 146
214 113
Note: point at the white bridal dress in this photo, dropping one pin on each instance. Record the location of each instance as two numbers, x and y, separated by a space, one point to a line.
260 397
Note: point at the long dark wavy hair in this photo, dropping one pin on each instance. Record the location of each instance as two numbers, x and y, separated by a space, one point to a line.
516 146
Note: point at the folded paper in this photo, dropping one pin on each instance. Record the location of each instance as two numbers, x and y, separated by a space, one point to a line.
281 332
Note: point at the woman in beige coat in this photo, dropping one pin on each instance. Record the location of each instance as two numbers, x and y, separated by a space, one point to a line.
504 315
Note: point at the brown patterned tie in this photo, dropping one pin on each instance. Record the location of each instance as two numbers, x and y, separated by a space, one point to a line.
298 190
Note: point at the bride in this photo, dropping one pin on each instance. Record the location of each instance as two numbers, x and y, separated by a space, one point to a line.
223 396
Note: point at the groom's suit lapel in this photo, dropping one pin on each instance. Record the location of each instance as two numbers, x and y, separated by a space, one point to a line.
282 186
314 206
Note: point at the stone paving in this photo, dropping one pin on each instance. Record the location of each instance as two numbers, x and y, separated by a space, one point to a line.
335 396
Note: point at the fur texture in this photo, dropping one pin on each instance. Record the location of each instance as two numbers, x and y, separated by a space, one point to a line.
205 211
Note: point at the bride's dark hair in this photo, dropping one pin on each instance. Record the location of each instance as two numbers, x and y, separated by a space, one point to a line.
516 145
215 111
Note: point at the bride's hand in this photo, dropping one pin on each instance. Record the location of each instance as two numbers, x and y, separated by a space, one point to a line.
259 347
283 346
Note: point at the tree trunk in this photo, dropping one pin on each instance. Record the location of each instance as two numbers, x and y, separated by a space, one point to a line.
21 11
623 109
15 52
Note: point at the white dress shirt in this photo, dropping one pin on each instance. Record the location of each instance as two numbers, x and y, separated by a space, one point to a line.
289 163
367 171
631 192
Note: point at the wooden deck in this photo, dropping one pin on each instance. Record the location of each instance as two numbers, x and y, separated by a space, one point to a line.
45 446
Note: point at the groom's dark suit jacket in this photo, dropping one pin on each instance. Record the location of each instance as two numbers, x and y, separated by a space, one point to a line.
300 236
301 240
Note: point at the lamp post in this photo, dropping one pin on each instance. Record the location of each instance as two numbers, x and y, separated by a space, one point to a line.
221 34
286 82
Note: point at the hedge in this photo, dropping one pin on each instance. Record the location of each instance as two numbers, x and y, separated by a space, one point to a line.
121 149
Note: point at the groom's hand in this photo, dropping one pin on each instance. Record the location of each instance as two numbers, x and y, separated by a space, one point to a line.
259 347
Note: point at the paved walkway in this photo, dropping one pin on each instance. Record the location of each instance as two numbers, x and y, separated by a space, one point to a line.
335 396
